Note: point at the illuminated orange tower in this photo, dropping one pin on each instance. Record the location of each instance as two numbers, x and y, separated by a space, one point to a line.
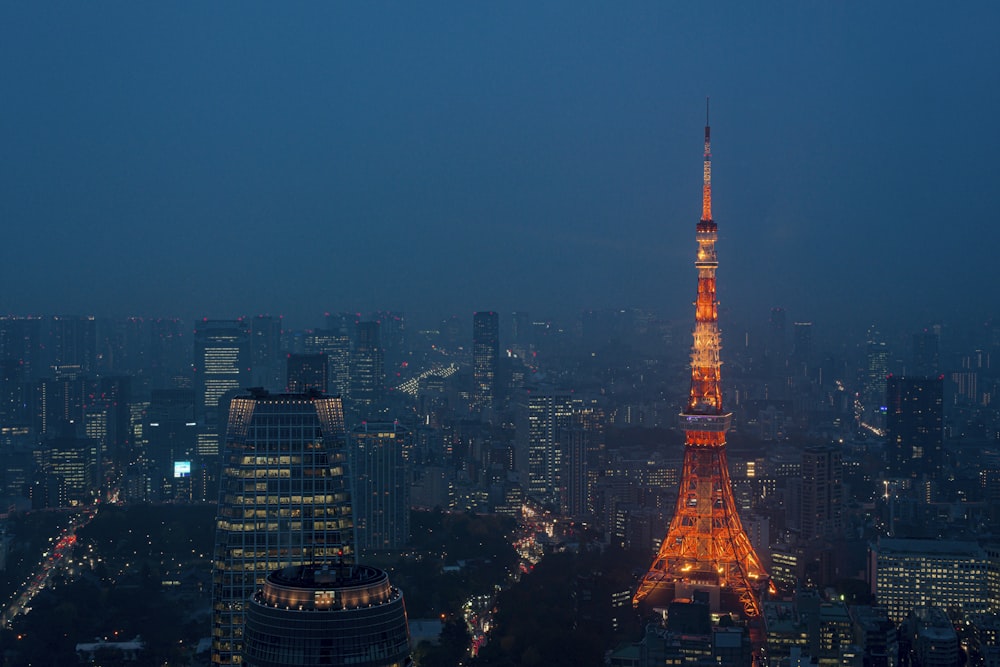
705 547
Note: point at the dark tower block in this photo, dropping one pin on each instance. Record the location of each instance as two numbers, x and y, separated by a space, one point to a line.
706 548
485 354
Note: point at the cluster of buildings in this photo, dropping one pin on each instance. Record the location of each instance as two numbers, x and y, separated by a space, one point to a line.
838 455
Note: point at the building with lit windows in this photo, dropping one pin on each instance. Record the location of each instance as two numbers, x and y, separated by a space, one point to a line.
914 422
876 371
284 499
905 574
485 355
221 365
73 466
323 615
307 372
381 494
336 345
543 415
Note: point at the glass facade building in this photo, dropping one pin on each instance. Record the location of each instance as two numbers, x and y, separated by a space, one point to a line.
284 500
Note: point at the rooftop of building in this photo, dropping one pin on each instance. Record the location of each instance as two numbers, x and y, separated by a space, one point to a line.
886 545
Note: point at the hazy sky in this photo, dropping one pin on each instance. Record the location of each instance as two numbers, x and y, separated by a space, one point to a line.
194 158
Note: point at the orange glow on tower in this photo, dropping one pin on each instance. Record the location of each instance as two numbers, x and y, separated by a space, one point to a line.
706 547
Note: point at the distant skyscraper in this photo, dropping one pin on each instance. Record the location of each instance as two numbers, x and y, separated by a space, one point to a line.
321 615
381 486
822 493
307 372
74 342
543 417
876 372
915 444
367 365
72 464
60 402
20 341
169 354
926 354
574 487
221 365
802 354
171 432
109 405
776 338
336 345
485 355
392 335
13 393
284 499
265 352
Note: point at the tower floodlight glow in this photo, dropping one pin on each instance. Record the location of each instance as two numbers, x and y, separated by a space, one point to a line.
705 548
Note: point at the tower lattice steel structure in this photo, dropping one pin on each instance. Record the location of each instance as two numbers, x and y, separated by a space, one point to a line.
705 546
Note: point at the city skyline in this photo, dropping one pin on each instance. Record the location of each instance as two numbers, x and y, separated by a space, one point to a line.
236 159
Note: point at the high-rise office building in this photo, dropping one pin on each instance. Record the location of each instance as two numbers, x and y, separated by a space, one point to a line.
60 402
802 355
574 485
777 346
336 345
74 342
169 353
485 355
926 353
822 500
367 365
171 432
322 615
914 421
284 500
392 332
266 365
221 365
876 371
307 372
13 393
381 495
543 415
72 464
20 341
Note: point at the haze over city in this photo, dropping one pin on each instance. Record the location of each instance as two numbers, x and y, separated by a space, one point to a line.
232 158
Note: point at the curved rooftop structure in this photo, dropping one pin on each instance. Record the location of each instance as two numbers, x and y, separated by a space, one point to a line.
326 615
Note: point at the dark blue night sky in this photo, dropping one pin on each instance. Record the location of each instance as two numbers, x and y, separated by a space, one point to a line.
226 158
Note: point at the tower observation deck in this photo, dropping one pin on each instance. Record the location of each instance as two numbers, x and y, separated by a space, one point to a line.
706 548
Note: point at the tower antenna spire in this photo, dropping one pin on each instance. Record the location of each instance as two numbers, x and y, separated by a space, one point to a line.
706 188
